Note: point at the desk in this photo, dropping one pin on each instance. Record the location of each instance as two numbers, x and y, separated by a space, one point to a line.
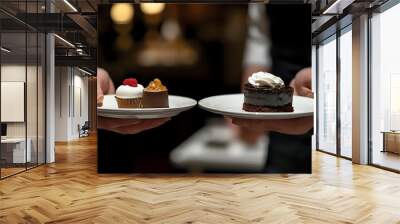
13 150
391 141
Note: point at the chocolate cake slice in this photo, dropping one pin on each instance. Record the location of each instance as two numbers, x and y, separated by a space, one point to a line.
267 99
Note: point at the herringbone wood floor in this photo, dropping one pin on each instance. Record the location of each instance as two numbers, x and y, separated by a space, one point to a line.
70 191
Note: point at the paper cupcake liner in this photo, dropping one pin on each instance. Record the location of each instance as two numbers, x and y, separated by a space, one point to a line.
129 103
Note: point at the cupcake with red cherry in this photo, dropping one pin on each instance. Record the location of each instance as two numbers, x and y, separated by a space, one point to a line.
129 94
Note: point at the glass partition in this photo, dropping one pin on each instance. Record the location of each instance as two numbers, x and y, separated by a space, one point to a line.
13 105
31 99
22 93
327 96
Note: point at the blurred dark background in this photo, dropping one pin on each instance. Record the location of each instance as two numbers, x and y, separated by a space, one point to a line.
195 49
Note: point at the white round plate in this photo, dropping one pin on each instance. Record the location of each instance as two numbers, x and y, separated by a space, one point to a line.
177 104
231 106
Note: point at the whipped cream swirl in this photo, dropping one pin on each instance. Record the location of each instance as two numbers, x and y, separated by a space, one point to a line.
127 92
265 79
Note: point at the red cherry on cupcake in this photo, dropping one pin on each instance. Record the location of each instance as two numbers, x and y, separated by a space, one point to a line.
130 82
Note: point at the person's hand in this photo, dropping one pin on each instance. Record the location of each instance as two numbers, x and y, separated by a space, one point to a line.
104 85
250 136
295 126
246 135
128 126
302 83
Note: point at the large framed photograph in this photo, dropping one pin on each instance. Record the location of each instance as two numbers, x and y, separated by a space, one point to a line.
204 88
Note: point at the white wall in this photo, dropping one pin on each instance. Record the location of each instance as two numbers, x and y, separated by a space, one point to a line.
61 103
71 94
80 84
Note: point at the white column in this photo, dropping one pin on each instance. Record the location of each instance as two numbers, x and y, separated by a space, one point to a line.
50 98
360 90
50 92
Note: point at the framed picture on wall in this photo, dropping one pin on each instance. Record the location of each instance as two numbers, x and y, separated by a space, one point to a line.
12 101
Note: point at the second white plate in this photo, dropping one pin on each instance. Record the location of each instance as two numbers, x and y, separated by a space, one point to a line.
231 105
177 104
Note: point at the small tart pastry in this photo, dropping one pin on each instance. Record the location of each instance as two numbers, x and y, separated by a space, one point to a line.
155 95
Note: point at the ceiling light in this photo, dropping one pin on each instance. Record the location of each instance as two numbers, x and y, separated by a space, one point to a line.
84 71
5 50
65 41
122 13
70 5
79 44
152 8
79 51
337 7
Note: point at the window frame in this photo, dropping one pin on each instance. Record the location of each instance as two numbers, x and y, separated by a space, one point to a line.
347 27
378 10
